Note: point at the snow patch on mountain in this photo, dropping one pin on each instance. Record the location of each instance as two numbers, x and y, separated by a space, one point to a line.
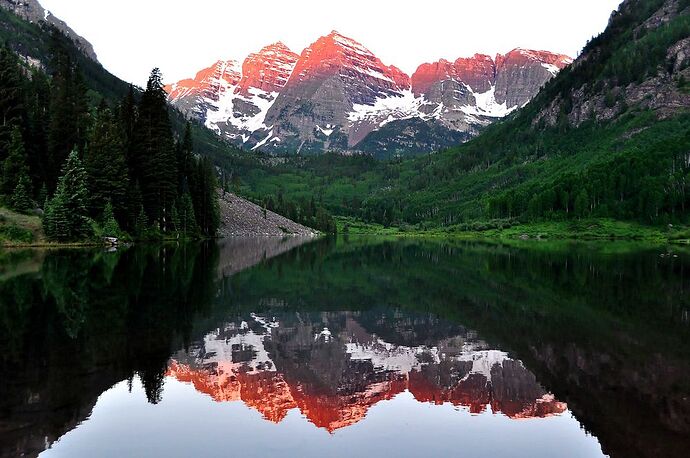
406 105
227 110
390 357
551 68
387 109
263 142
327 131
486 105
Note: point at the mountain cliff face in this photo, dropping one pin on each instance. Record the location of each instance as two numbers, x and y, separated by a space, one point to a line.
337 94
32 11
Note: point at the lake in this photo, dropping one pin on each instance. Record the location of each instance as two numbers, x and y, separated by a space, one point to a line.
348 347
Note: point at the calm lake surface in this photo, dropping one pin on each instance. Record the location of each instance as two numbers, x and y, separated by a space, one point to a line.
359 347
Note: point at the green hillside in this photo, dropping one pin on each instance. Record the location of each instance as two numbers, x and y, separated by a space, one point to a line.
586 146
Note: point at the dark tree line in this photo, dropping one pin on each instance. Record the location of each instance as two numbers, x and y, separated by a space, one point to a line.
93 166
305 211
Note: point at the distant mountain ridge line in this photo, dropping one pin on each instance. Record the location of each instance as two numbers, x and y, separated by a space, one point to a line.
337 92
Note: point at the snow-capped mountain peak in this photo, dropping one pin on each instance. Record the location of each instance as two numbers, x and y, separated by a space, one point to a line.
336 93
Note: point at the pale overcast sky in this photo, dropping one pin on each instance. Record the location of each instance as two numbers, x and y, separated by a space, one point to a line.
181 37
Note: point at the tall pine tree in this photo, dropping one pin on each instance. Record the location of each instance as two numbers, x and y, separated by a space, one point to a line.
153 151
66 216
105 164
14 166
68 114
11 97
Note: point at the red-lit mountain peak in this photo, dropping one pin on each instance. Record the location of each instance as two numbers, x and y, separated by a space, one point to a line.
207 82
478 72
269 69
336 54
429 73
520 57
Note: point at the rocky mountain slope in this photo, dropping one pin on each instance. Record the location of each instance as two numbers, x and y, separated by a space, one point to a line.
241 218
32 11
649 70
337 93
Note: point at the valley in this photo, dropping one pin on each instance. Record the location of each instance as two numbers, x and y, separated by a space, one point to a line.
524 138
227 231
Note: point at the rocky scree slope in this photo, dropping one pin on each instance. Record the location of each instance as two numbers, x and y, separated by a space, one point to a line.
240 217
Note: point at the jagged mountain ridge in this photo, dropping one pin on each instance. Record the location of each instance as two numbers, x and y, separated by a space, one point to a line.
32 11
336 93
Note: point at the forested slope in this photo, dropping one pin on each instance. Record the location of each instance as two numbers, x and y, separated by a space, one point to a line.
608 137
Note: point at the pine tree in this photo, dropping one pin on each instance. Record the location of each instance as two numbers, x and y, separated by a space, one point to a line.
68 121
14 166
35 138
184 158
175 218
66 217
11 97
141 222
582 203
154 161
188 226
110 226
21 198
203 190
104 160
127 120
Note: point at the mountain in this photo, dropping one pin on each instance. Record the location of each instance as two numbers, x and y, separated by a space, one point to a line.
607 137
333 369
32 11
337 93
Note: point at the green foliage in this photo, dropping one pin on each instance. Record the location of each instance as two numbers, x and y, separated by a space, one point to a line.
109 223
69 117
203 191
188 226
141 224
15 234
14 166
106 166
21 197
154 162
12 108
66 216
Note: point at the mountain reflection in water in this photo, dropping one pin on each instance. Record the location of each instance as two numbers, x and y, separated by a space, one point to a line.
406 347
333 370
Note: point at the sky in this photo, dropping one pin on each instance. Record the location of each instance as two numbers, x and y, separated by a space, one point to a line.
183 36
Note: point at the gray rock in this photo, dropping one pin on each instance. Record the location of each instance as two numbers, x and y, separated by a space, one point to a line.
242 218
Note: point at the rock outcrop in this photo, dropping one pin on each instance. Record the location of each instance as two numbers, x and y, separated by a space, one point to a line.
337 93
603 97
32 11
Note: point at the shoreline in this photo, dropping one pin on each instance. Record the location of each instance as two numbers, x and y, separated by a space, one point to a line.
590 230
